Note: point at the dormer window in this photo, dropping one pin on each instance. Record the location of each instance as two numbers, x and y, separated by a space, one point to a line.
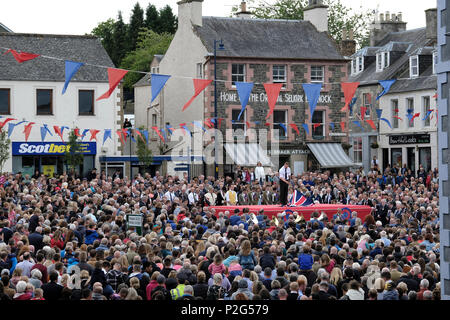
386 59
382 61
357 65
360 64
414 66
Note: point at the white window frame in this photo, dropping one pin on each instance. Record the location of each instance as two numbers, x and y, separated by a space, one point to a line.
413 74
283 136
366 104
435 61
425 110
323 74
360 64
199 70
395 121
409 124
380 62
386 59
243 121
279 80
359 151
155 70
354 67
238 74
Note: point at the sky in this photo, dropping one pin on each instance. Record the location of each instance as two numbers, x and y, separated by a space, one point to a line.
81 16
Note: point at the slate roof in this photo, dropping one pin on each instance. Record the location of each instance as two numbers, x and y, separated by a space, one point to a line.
145 81
261 38
398 69
4 28
86 49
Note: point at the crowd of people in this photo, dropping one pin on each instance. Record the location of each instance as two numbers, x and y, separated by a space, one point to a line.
67 238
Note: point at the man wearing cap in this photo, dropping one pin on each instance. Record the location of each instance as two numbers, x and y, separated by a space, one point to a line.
242 288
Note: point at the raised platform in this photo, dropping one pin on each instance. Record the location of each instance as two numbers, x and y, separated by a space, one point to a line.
329 209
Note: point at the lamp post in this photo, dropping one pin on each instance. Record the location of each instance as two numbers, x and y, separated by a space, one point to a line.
221 47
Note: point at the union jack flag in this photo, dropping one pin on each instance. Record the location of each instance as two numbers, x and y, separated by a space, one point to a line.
299 200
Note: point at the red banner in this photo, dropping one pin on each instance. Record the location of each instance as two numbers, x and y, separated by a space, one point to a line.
273 91
22 56
349 89
199 86
114 77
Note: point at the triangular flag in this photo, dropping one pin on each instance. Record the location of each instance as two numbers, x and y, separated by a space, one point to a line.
22 56
435 96
106 135
208 123
58 132
12 126
248 124
130 134
145 132
273 91
76 132
244 89
294 126
199 86
349 89
114 77
120 134
44 131
184 127
428 114
306 127
159 133
27 130
158 82
363 112
386 84
312 91
387 121
316 125
352 104
415 116
85 131
2 124
379 113
332 126
125 133
71 69
94 133
358 124
164 133
397 117
372 124
342 126
284 127
62 129
138 133
170 128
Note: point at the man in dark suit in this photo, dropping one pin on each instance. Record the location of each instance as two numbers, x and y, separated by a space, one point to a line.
381 212
267 196
328 197
52 290
36 238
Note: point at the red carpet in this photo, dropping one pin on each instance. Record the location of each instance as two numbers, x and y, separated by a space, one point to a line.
328 209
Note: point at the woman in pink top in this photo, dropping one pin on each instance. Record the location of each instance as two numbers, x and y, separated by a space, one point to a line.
217 266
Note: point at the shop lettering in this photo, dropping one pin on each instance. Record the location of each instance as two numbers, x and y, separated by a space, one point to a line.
409 139
262 97
38 149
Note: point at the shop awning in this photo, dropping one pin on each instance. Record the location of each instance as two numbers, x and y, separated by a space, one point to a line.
330 155
247 154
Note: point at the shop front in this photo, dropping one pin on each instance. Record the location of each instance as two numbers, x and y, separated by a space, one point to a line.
48 157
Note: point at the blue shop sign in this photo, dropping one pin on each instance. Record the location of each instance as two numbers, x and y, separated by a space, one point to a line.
50 148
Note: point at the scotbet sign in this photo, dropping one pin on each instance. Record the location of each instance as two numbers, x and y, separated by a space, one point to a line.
50 148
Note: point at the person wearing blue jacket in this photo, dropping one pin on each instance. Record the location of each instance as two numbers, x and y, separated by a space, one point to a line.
91 235
305 259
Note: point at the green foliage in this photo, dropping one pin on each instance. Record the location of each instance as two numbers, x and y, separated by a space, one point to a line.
149 44
167 22
105 31
73 156
151 17
143 152
120 47
135 26
5 142
340 17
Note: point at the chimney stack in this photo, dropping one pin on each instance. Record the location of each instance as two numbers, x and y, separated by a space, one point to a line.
317 13
244 14
348 44
190 13
388 23
431 17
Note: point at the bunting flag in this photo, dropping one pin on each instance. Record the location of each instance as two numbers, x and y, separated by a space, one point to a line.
164 133
2 124
312 92
107 135
372 124
435 96
85 131
22 56
199 125
244 89
409 114
125 133
159 133
379 112
76 132
62 129
209 123
114 78
139 134
306 127
349 89
71 69
415 116
27 130
58 132
130 134
44 131
12 126
220 121
199 86
145 132
386 84
120 134
185 129
342 126
316 125
94 133
332 126
387 121
294 126
170 128
428 114
284 127
248 124
358 124
352 104
158 82
397 117
273 91
363 112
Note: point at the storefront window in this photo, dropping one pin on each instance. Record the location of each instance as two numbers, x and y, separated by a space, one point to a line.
396 157
425 158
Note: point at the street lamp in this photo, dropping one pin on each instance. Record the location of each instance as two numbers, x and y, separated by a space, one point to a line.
221 47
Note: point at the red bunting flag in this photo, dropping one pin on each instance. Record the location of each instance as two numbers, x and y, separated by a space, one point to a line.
209 123
199 86
2 124
316 125
349 89
363 112
415 116
22 56
76 131
372 124
397 117
267 124
58 132
125 133
27 130
114 77
273 91
159 133
94 133
120 134
435 96
220 121
343 126
140 135
248 124
294 126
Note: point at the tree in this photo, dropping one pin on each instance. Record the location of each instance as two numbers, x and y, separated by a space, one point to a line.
167 21
135 26
73 155
149 44
5 142
105 31
339 16
151 18
143 152
119 40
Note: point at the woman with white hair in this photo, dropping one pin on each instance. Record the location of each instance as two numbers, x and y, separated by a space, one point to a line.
21 291
36 276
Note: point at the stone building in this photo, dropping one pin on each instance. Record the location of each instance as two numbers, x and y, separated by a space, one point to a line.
259 51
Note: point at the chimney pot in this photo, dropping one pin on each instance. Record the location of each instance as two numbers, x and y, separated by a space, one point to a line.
350 34
344 34
381 17
243 6
388 16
